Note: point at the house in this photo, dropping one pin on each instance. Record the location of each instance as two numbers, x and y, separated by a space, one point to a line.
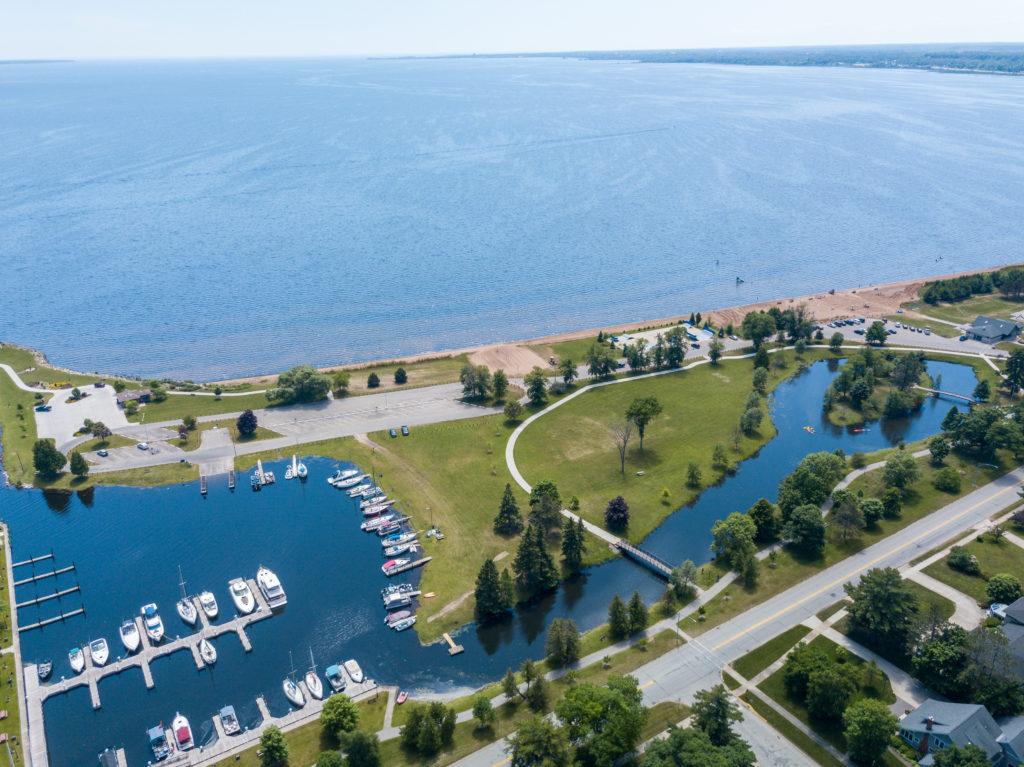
935 725
991 330
133 395
1013 630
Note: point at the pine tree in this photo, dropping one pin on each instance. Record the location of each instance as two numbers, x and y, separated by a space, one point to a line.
637 613
573 544
618 619
509 521
508 589
525 564
489 597
79 466
547 574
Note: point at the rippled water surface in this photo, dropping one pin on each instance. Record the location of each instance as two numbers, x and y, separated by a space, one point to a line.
210 218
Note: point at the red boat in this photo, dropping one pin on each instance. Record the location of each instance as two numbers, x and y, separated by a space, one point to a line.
403 696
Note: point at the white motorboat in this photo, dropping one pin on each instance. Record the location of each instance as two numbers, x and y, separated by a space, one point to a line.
151 620
372 492
352 483
99 651
185 607
403 548
372 524
397 601
392 565
288 473
336 678
77 659
207 651
341 475
293 692
130 637
209 604
373 501
376 509
353 670
229 721
242 596
270 587
389 528
312 679
404 624
182 732
396 588
396 616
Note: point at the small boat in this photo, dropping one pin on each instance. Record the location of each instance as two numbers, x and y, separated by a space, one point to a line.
270 587
288 473
313 683
397 539
341 475
269 478
209 604
396 588
130 637
229 721
293 693
809 429
242 596
77 659
158 742
254 482
403 548
151 620
186 609
44 669
336 678
397 601
301 471
403 624
351 482
394 617
207 651
376 509
372 524
403 696
353 670
392 565
371 492
389 528
358 490
99 651
182 732
374 501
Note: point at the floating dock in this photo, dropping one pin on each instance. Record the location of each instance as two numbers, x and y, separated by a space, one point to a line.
48 597
55 619
410 566
33 560
453 648
202 484
52 574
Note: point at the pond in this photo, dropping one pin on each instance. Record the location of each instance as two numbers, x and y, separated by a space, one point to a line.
127 544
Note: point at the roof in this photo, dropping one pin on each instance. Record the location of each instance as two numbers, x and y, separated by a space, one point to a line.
1014 634
962 723
1013 734
991 327
132 394
1015 611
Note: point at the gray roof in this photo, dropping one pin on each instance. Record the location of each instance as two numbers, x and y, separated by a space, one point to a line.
990 327
962 723
1015 637
1015 611
1013 734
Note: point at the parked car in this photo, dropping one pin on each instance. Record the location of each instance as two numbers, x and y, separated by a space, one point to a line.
393 433
100 384
963 337
734 338
102 453
405 431
859 331
43 408
143 446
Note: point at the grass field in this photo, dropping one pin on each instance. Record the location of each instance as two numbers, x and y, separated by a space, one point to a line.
105 443
831 731
193 439
575 350
992 305
19 430
661 716
147 476
574 447
177 406
438 370
993 557
921 499
756 661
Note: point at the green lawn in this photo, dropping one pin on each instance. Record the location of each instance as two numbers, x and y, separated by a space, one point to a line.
921 500
19 430
429 372
105 443
993 557
661 716
11 726
992 305
938 328
780 724
575 349
756 661
177 406
148 476
573 445
306 742
193 439
774 687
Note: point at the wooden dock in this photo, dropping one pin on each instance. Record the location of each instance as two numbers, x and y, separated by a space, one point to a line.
453 648
55 619
410 566
39 576
48 597
33 560
202 484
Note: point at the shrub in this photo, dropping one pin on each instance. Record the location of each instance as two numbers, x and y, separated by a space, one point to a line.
961 559
513 410
372 381
1003 587
947 480
401 376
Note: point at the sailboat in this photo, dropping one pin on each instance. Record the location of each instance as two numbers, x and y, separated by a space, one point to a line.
312 679
186 609
291 690
207 651
299 468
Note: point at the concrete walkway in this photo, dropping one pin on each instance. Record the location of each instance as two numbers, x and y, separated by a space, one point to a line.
910 693
967 613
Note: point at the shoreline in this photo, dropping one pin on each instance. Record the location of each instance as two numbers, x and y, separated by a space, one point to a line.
881 298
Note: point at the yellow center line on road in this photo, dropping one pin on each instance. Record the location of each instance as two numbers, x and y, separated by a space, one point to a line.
865 566
646 684
503 762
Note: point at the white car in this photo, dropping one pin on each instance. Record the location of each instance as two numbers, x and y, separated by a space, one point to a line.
143 446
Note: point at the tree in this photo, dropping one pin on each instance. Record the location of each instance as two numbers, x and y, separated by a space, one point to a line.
714 712
876 333
800 665
483 712
760 381
637 610
982 391
574 544
892 501
79 467
329 759
562 645
901 470
719 458
537 694
939 661
715 349
46 458
765 516
1004 588
99 429
733 538
401 376
693 475
567 369
869 726
618 619
339 382
622 433
873 510
883 609
845 518
641 412
947 479
539 743
683 581
835 343
761 360
509 686
829 690
534 569
362 749
536 386
513 410
603 722
339 715
805 530
988 677
811 482
957 756
690 747
616 514
490 599
938 446
247 424
600 362
509 521
1014 380
273 748
499 383
303 383
476 381
961 559
189 422
758 326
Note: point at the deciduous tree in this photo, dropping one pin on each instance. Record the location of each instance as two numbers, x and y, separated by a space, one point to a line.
46 458
714 712
273 748
805 530
79 466
641 412
882 610
869 727
339 715
616 514
499 384
539 743
536 386
247 423
303 383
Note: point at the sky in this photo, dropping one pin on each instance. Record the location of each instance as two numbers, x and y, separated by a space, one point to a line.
237 28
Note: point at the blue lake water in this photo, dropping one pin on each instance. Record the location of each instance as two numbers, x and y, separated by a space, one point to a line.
128 542
214 218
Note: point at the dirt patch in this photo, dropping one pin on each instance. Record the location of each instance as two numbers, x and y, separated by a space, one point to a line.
513 359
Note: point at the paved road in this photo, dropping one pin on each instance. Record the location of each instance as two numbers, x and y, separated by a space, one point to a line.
908 338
